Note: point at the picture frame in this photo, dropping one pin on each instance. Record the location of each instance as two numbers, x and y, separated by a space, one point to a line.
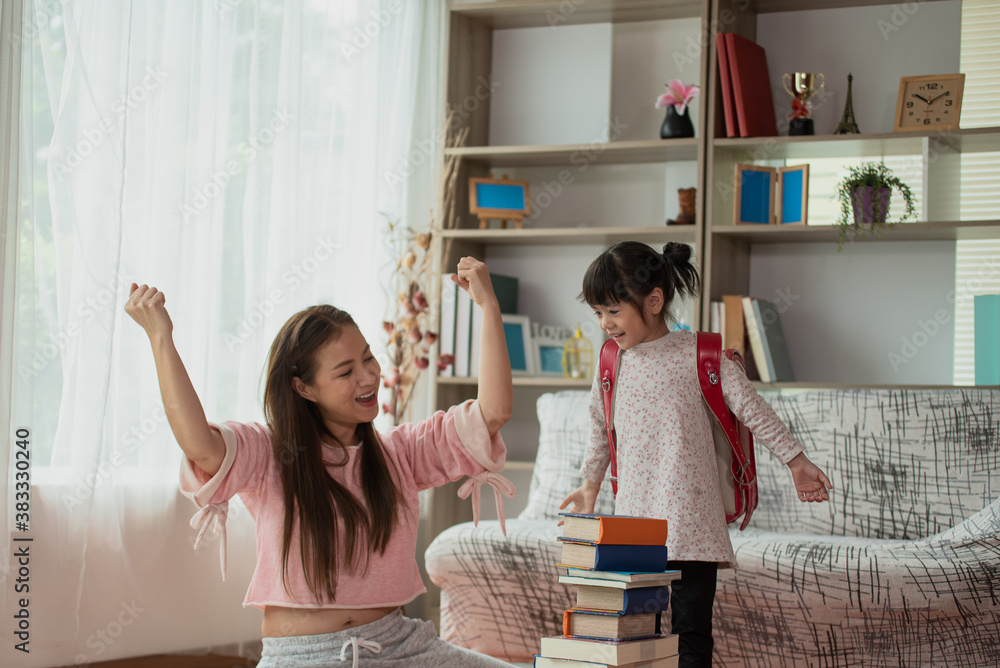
517 332
793 198
754 201
548 356
499 199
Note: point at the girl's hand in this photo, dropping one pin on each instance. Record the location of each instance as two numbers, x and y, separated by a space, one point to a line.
583 499
810 481
147 306
473 276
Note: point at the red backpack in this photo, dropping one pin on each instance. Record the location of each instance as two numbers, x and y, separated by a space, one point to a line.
733 441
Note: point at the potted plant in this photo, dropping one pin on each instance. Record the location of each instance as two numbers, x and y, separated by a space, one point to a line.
676 100
864 196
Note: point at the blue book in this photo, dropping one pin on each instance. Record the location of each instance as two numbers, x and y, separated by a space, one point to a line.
987 339
622 601
594 557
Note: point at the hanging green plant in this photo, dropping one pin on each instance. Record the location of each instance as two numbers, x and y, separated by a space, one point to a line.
864 196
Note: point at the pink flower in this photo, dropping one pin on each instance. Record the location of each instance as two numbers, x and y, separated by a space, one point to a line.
388 326
678 95
444 361
414 335
387 409
419 300
430 337
422 362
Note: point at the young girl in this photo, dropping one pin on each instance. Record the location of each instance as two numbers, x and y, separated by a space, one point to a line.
335 503
666 454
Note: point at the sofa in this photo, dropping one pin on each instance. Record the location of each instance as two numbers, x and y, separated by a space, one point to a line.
900 568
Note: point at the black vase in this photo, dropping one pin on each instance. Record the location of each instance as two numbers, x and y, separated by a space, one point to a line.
676 125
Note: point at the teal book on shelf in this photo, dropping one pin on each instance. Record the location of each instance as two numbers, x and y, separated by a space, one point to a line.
987 339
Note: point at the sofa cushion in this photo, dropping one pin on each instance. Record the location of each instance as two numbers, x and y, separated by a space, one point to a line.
564 422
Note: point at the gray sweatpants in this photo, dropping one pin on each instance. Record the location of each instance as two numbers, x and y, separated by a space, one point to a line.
394 641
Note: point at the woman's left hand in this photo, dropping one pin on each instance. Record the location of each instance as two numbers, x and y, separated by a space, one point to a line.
473 276
810 481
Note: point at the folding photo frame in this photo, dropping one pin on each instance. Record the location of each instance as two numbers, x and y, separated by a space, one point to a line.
793 186
754 203
517 332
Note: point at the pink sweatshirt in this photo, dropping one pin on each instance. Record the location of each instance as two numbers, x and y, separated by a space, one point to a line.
442 448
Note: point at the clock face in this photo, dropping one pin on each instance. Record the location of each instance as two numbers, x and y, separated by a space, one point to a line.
930 102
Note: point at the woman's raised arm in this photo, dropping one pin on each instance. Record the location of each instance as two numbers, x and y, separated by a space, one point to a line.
202 445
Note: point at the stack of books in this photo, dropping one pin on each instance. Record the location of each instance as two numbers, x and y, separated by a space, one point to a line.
619 567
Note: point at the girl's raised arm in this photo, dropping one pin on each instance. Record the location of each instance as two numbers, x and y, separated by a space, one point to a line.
496 394
200 443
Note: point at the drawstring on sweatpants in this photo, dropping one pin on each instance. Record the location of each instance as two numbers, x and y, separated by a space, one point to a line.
354 643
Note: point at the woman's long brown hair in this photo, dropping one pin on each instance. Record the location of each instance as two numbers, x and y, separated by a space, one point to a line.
336 529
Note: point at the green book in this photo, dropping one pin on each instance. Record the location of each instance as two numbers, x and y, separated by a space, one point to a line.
505 288
987 339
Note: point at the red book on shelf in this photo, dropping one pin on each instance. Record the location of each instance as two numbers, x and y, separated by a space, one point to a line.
727 86
751 87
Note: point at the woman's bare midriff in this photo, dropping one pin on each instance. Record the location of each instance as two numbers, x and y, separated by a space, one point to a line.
280 622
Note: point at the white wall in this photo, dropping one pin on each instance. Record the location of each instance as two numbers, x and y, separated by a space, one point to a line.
850 315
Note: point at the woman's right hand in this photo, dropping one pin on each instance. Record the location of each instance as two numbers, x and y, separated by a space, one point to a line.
584 498
147 306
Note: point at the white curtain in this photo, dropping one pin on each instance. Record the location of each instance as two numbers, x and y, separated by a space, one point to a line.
241 156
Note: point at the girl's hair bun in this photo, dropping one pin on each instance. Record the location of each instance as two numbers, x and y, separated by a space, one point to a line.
677 252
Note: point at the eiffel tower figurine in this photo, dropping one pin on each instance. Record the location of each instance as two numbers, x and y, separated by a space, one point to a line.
847 125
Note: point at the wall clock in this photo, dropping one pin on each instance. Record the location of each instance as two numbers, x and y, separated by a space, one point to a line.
929 102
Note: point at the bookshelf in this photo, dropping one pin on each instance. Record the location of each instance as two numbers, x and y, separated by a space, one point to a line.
757 260
620 168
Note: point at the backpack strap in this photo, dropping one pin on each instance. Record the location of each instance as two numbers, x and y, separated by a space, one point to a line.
609 372
710 379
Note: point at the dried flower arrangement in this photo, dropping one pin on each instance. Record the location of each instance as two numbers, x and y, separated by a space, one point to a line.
410 326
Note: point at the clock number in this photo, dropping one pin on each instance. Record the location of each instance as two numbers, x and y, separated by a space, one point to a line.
927 121
932 86
909 105
948 103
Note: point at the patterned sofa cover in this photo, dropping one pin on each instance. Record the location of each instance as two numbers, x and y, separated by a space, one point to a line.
901 568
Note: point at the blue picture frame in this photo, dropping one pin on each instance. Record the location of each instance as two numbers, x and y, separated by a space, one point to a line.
517 332
793 184
754 202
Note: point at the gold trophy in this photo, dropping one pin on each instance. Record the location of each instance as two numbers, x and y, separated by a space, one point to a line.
804 85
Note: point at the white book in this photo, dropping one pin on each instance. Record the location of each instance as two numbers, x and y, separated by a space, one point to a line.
754 333
669 577
446 331
548 662
713 318
608 652
463 333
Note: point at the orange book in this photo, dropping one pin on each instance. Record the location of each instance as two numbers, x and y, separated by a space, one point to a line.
734 333
614 529
610 625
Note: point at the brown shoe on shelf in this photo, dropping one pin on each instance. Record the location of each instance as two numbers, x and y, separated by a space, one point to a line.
686 199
